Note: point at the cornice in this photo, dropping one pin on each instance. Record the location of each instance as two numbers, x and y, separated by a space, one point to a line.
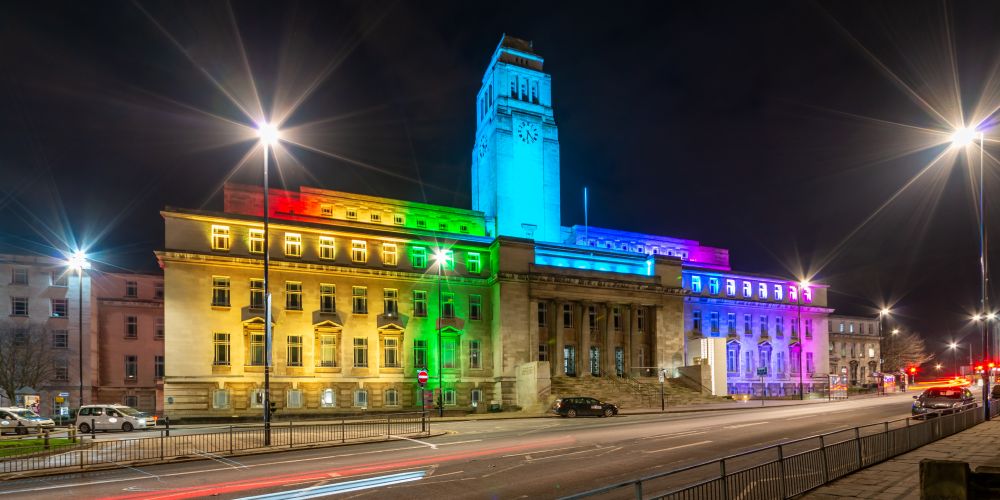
548 278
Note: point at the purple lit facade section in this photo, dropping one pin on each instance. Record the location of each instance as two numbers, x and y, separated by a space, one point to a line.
689 251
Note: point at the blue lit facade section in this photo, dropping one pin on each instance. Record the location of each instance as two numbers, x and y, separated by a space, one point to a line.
574 259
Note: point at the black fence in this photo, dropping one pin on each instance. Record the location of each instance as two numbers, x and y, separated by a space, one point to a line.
795 467
159 444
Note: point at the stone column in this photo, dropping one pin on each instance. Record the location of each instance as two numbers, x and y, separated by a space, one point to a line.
626 313
584 340
534 336
604 336
636 338
557 354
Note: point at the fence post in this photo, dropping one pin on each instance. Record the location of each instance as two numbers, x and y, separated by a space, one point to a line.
781 467
343 430
638 489
289 433
231 452
857 438
722 473
888 439
167 420
45 439
907 433
388 427
161 444
822 450
93 430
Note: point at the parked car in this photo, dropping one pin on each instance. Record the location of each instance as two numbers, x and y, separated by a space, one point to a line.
572 407
110 418
22 420
940 400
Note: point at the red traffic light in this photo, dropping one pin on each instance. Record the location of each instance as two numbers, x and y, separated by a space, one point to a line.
913 370
979 368
992 365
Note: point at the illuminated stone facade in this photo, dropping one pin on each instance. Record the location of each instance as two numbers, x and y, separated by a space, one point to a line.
855 348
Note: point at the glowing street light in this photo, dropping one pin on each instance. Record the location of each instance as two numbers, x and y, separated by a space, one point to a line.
803 286
954 356
881 338
963 137
269 137
78 262
441 258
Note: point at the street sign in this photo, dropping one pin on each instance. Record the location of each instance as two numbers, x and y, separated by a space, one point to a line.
662 376
422 377
64 394
761 371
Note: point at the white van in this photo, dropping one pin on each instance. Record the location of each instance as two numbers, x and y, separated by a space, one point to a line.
21 420
109 418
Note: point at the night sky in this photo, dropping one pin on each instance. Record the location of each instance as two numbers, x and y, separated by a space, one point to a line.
768 128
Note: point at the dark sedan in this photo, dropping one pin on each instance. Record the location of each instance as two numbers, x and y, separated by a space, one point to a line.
572 407
939 400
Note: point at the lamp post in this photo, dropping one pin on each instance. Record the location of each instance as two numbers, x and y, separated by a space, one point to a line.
892 347
269 136
803 286
964 137
954 356
78 262
881 340
440 259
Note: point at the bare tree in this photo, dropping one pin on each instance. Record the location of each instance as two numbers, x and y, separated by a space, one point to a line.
26 358
903 350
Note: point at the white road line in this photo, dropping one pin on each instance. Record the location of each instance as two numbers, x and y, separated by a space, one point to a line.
678 447
429 445
799 418
676 434
539 451
740 426
564 454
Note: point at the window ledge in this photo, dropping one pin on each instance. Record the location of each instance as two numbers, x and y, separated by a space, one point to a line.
219 307
130 338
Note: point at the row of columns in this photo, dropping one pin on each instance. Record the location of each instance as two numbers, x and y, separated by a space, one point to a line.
632 339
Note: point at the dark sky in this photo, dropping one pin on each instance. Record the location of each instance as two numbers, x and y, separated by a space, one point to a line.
762 127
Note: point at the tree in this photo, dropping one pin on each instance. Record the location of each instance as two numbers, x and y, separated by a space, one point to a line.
26 359
903 350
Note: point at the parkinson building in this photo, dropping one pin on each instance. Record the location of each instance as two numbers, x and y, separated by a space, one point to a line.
494 302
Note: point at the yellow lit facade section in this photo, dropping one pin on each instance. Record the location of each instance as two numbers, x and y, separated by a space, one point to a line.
256 240
327 248
389 254
293 245
359 251
220 238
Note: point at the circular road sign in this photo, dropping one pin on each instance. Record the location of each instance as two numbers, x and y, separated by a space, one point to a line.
422 377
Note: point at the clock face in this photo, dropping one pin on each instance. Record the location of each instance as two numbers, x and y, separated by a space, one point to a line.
483 147
527 132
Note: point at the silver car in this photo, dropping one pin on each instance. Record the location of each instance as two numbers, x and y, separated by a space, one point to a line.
22 420
940 400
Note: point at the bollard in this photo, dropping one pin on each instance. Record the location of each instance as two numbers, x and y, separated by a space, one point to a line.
93 429
167 421
72 435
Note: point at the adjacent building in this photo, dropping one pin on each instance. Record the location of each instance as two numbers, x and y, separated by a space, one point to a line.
855 348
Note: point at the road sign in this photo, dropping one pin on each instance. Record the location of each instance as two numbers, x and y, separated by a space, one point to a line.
662 376
64 394
422 377
761 371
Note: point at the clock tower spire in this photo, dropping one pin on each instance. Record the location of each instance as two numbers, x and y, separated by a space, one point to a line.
515 159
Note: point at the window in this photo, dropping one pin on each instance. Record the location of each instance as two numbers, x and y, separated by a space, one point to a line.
18 306
447 305
747 289
359 296
294 350
376 218
810 367
19 276
713 286
131 327
447 261
256 398
850 327
398 219
327 250
390 352
795 328
420 354
473 263
731 322
293 245
293 398
418 257
765 356
256 356
391 397
616 318
464 229
476 396
475 307
732 357
778 292
359 251
327 350
158 291
779 326
220 291
256 294
131 367
747 325
748 363
449 397
640 320
131 400
60 278
293 295
328 398
326 210
131 289
61 370
421 223
695 321
793 293
60 339
442 226
60 308
840 327
567 313
475 355
543 352
761 290
390 298
327 298
809 328
796 358
158 367
255 240
448 353
361 398
20 336
763 325
542 314
714 321
420 303
220 348
696 284
361 352
352 213
220 238
592 318
807 294
730 287
389 254
781 363
220 398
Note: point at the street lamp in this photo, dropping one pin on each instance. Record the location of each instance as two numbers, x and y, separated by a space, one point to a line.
269 137
803 286
441 260
954 356
962 137
78 262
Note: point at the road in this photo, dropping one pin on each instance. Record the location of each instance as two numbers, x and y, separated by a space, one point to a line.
511 458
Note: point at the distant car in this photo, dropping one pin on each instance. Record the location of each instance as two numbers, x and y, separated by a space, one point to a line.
22 420
110 418
572 407
940 400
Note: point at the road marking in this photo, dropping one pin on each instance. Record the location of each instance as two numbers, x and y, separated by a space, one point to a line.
740 426
327 490
588 450
799 418
678 447
676 434
533 452
425 443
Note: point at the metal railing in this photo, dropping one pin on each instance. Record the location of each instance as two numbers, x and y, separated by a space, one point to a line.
791 468
159 444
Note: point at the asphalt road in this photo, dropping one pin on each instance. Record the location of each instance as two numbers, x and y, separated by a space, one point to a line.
511 458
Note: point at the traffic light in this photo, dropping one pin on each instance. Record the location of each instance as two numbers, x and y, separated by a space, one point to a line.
913 369
272 408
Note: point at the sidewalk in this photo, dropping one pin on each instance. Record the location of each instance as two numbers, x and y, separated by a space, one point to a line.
899 478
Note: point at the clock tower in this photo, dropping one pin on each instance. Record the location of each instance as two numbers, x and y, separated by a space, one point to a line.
515 159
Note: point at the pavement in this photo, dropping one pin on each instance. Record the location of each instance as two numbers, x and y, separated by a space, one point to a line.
899 478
